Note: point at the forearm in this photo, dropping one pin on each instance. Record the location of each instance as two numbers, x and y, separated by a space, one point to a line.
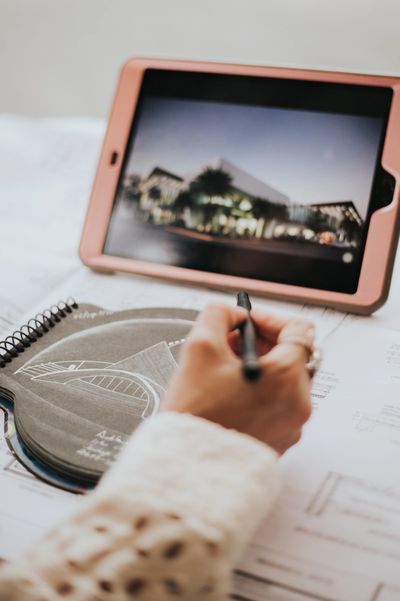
170 518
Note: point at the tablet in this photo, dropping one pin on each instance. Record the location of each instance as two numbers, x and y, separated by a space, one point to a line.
282 182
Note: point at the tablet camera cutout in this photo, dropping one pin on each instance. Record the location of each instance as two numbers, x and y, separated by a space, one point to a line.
382 196
114 158
383 190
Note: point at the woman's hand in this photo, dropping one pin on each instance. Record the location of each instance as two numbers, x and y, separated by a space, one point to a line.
209 382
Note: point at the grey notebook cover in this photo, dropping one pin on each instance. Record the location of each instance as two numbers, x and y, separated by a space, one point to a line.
84 386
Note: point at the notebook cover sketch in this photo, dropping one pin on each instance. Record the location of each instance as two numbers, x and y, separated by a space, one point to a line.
81 389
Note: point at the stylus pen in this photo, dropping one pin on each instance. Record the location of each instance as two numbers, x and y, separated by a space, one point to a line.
251 366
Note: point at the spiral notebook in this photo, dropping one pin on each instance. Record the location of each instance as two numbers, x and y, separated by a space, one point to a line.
76 380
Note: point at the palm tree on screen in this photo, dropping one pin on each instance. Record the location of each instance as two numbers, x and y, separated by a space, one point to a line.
211 182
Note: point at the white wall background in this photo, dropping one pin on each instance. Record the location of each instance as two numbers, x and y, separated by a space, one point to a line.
62 57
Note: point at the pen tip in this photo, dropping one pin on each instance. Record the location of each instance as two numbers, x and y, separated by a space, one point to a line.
252 370
243 300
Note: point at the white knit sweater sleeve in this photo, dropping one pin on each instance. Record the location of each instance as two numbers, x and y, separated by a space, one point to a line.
169 520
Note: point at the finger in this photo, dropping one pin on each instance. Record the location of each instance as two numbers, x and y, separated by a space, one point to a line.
235 342
268 330
298 327
268 326
216 321
283 444
294 342
299 332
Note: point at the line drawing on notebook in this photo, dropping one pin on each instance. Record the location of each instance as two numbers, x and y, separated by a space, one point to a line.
132 390
120 383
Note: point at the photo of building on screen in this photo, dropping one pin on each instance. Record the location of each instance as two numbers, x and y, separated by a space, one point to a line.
220 201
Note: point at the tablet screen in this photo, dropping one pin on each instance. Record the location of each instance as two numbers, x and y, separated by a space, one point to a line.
262 178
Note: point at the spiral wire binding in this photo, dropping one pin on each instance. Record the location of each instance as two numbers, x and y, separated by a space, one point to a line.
35 328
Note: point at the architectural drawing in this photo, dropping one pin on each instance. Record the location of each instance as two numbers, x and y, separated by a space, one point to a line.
117 382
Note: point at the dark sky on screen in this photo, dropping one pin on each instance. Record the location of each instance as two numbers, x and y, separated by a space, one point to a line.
311 157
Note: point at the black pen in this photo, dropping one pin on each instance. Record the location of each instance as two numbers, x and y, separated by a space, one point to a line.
248 351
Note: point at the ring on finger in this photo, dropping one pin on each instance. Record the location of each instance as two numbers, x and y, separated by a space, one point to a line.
314 362
314 353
